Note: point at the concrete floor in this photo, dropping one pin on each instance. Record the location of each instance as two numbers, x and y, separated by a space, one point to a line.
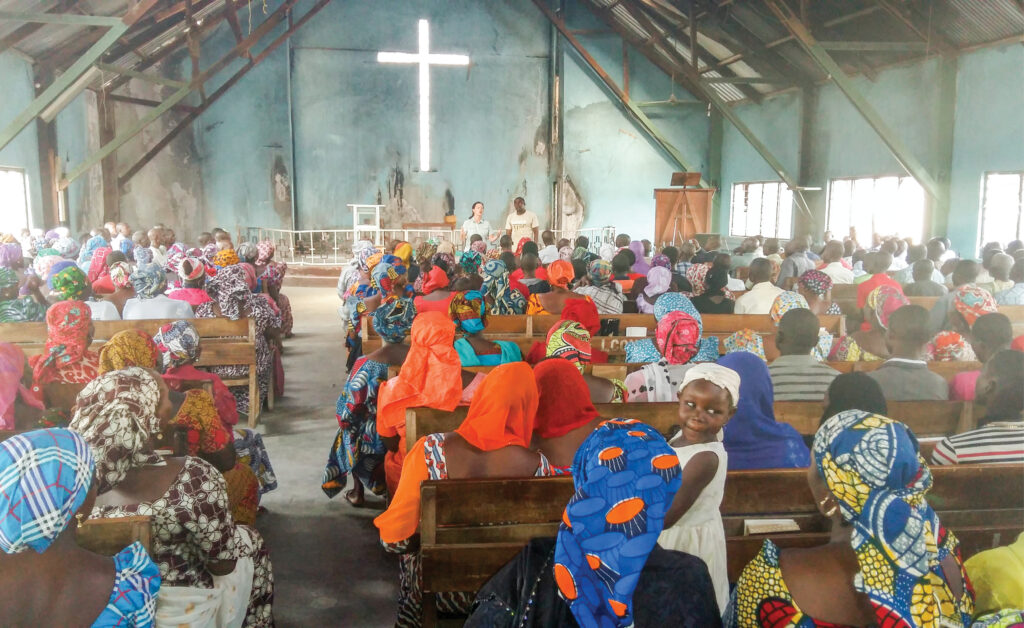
329 567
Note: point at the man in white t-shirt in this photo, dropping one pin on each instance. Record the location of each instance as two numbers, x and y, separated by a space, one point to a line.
521 223
549 253
759 299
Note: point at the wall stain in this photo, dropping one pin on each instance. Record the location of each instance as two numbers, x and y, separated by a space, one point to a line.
449 202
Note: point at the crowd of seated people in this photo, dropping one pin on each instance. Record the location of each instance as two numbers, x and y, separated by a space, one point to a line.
524 424
145 431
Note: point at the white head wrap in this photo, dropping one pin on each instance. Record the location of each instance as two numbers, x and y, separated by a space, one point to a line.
718 375
607 252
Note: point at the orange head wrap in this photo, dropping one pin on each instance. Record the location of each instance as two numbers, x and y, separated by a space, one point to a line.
503 409
560 273
436 279
431 375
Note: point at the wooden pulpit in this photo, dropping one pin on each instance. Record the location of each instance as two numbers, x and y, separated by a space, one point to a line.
681 213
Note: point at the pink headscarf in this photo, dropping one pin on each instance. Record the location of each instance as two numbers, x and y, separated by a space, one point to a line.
12 367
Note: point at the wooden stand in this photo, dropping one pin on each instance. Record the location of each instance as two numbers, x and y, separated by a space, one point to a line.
681 213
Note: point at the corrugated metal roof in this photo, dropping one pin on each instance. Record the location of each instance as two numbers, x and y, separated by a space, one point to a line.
973 22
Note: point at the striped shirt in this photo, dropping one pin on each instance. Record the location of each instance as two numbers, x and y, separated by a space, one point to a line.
800 378
1001 441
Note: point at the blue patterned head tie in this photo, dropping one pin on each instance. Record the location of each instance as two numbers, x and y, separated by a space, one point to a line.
385 274
143 255
44 478
178 343
625 476
874 470
149 281
393 319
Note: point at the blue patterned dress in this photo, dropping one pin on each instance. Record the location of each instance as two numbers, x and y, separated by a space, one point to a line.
357 448
133 599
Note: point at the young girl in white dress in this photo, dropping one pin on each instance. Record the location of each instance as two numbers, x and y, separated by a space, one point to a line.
707 400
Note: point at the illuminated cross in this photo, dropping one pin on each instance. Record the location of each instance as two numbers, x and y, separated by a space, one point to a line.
424 59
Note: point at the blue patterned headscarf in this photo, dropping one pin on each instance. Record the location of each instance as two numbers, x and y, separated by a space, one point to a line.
91 246
874 470
393 319
178 343
386 272
44 478
496 286
143 255
149 281
625 476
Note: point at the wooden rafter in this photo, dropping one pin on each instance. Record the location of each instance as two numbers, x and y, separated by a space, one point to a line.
17 35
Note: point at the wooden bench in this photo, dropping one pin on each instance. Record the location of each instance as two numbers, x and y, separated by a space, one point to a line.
110 536
924 418
525 330
469 529
224 342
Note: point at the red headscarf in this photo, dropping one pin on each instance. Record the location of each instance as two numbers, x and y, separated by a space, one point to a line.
677 337
12 366
1018 343
560 273
564 399
98 265
519 246
436 279
583 312
67 331
503 409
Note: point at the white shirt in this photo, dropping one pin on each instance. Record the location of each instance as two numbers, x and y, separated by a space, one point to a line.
482 228
159 255
758 300
160 306
103 311
735 285
838 273
521 225
548 254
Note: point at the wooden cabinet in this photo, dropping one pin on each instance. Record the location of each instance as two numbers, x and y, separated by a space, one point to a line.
681 213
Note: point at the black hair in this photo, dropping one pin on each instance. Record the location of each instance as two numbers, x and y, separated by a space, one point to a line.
672 253
476 237
529 262
509 259
923 269
799 327
630 254
966 271
473 206
1007 402
505 241
583 241
994 329
910 323
716 280
531 248
621 263
854 391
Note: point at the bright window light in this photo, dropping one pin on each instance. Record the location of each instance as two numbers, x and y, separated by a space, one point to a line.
424 59
13 200
1002 207
764 208
888 206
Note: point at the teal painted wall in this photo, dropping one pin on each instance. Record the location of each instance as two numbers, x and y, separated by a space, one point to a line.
777 123
989 132
23 151
613 165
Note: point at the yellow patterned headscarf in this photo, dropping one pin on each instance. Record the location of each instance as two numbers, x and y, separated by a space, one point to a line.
131 347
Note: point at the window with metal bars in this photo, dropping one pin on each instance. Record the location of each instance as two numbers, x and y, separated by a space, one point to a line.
888 206
761 208
1002 207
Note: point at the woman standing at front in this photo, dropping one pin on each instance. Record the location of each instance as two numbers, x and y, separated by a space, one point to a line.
477 225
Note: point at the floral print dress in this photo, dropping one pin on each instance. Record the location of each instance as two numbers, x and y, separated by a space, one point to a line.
192 526
262 313
357 447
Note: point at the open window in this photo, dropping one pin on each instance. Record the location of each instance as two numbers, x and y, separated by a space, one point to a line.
1002 207
14 214
883 205
761 208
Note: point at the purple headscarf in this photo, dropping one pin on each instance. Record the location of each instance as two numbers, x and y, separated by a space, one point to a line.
641 266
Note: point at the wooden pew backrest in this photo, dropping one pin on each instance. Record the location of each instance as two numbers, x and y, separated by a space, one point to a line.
924 418
110 536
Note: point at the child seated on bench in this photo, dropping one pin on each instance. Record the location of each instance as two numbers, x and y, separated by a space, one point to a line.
707 400
604 568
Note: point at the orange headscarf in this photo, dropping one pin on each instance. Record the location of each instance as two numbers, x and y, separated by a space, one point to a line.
431 376
564 398
503 409
560 273
501 414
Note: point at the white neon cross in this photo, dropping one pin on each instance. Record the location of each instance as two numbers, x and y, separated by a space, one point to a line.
424 59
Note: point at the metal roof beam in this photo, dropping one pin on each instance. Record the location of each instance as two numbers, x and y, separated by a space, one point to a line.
645 123
874 46
711 96
745 80
900 151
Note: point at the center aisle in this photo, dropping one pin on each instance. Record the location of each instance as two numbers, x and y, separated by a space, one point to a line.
329 568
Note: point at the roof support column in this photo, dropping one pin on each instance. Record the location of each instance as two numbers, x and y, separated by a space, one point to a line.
900 151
